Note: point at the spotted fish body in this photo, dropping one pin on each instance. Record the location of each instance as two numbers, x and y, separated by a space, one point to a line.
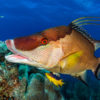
61 49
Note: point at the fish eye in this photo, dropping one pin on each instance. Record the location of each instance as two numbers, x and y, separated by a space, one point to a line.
44 41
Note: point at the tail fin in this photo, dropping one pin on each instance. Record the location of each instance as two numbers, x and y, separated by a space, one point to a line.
97 70
97 45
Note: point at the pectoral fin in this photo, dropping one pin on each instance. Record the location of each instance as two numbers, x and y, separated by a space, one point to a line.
70 60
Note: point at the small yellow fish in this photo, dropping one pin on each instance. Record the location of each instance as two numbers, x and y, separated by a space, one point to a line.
62 49
53 80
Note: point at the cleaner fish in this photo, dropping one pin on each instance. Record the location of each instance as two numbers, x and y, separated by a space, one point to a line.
63 49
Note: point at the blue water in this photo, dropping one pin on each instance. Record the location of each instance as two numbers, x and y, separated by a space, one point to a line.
23 17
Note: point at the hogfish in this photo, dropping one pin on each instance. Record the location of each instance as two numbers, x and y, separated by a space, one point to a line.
62 49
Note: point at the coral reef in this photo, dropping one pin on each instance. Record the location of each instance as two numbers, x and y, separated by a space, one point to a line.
8 74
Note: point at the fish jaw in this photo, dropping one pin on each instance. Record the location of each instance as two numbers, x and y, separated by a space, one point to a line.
18 57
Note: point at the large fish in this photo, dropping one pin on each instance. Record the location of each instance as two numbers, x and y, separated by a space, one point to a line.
62 49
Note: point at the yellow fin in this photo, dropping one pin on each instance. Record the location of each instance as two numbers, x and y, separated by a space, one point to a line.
53 80
71 60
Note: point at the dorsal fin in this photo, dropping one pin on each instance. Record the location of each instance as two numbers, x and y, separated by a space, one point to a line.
81 30
81 19
79 22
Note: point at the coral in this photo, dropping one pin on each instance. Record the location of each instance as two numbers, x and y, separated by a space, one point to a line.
8 74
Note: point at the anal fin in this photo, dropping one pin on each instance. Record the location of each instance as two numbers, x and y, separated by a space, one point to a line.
82 77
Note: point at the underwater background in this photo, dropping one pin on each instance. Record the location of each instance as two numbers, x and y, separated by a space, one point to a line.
25 17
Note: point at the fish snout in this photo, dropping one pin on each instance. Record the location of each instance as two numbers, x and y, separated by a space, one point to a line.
10 45
28 43
8 42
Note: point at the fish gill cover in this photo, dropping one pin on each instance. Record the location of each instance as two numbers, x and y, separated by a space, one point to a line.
23 17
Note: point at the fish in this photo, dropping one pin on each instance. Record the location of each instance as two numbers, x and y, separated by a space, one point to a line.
62 49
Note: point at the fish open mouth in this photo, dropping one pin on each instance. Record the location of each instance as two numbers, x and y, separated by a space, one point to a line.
17 57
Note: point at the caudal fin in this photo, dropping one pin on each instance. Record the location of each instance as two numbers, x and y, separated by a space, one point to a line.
97 45
97 70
